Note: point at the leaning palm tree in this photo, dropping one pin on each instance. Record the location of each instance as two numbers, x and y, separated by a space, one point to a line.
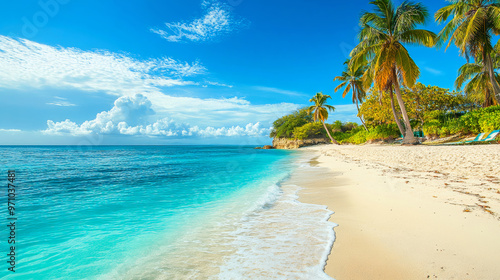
477 79
320 110
367 83
384 31
471 28
352 79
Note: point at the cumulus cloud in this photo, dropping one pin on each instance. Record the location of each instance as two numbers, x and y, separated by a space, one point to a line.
134 115
24 63
28 65
217 21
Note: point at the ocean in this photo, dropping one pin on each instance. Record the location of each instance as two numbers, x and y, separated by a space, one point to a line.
160 212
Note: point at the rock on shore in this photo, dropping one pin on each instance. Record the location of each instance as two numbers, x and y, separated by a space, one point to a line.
287 144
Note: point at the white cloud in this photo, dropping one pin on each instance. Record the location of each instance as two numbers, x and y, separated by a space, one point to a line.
279 91
344 113
9 130
433 71
61 102
26 64
217 21
218 84
135 116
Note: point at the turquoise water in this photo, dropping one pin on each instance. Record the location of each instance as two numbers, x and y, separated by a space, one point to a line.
138 212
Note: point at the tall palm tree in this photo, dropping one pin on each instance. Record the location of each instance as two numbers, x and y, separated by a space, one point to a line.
352 79
320 110
478 82
368 81
471 28
384 31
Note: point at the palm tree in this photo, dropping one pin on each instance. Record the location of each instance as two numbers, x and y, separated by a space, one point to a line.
478 86
320 110
471 28
384 31
368 81
352 79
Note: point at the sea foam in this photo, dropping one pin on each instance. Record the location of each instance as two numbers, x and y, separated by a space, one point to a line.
285 240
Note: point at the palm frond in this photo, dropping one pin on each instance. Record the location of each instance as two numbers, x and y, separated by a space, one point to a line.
340 86
418 37
474 24
407 67
409 15
466 72
346 91
442 14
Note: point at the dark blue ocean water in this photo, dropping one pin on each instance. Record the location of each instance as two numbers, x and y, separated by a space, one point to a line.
156 212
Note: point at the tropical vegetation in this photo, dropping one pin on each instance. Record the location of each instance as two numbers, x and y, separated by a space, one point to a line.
352 80
381 78
320 110
472 26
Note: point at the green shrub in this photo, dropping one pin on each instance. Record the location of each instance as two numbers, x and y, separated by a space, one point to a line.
456 126
383 132
337 126
343 131
349 126
310 130
284 126
359 135
490 121
444 131
472 121
432 128
357 138
433 115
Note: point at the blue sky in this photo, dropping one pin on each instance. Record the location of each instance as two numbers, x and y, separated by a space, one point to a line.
177 72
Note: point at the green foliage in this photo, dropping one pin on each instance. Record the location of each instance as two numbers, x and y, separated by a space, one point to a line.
383 132
444 131
456 126
423 103
337 126
432 128
284 126
357 138
310 130
359 135
348 126
479 120
342 132
490 121
474 122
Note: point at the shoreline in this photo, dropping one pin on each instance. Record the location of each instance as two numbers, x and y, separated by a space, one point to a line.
400 217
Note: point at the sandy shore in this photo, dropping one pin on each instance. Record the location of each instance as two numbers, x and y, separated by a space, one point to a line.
409 212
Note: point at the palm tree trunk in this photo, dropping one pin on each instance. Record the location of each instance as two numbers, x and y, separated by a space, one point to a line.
488 101
409 138
360 118
331 138
488 63
395 113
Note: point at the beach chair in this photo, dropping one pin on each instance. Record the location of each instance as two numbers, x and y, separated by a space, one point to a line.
477 139
491 137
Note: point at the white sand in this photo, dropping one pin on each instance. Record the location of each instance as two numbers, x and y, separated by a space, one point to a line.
409 212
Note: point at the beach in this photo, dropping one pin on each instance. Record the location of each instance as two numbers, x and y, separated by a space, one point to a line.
408 212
